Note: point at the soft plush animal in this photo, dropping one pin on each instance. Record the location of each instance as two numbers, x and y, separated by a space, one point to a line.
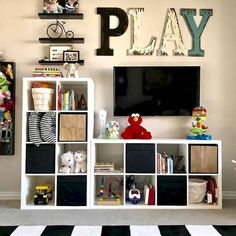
72 6
9 71
67 163
71 70
80 159
52 6
135 130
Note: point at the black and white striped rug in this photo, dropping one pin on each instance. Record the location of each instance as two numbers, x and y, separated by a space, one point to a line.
128 230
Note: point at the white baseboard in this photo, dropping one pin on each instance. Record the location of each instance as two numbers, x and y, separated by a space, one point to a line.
229 194
16 195
10 195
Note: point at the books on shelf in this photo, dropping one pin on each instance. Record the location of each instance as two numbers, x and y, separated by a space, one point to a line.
67 101
149 194
47 72
104 166
169 164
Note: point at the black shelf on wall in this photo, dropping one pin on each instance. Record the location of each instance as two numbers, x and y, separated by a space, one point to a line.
61 40
60 16
47 62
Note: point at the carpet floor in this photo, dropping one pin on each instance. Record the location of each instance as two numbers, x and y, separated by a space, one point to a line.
132 230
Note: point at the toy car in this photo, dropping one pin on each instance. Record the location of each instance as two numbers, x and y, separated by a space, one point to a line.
43 193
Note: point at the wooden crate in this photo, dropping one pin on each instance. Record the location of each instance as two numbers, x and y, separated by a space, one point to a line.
72 127
203 159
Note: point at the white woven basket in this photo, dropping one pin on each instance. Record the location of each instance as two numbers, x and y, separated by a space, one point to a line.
42 98
197 190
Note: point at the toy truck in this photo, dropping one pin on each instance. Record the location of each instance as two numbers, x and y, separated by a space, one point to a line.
43 193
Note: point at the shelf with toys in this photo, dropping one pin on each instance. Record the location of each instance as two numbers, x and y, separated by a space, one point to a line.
58 33
55 141
156 173
140 160
7 107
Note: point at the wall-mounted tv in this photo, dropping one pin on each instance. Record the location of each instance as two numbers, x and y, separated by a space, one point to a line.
156 90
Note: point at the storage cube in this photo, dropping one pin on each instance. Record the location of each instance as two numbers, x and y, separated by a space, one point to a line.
203 159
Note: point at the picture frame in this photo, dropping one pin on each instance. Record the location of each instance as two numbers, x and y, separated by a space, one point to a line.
72 127
56 51
70 56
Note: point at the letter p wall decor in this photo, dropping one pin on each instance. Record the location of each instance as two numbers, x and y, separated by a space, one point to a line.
107 32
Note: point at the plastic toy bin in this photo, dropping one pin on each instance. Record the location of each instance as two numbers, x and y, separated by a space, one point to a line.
42 98
197 190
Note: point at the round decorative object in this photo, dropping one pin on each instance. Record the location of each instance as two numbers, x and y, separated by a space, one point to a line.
112 129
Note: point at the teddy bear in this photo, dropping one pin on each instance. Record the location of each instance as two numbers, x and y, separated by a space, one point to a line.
52 6
67 163
80 159
135 130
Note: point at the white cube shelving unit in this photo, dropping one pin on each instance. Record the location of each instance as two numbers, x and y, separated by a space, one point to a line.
40 165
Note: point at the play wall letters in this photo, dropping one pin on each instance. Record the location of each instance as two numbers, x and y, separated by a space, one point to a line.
171 29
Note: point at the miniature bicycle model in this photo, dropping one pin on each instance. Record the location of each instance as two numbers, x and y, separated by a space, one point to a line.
55 30
43 194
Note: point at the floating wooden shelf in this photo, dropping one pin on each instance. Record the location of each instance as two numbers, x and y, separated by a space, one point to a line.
60 16
47 62
61 40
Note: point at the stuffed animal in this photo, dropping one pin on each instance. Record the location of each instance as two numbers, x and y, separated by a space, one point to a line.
72 6
80 159
71 70
8 70
67 163
52 6
135 130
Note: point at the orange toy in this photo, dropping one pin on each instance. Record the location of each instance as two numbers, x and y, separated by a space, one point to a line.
135 130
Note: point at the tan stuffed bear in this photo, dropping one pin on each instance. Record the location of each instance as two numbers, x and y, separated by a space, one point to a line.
80 159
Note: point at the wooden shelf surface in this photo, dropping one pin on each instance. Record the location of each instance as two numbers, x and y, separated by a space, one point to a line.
47 62
61 40
61 16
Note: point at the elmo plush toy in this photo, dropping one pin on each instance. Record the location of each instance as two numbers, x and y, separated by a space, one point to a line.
135 130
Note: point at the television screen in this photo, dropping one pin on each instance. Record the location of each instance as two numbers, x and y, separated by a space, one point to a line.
156 90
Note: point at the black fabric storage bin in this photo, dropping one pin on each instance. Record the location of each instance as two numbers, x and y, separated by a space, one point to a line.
71 190
172 190
40 159
140 158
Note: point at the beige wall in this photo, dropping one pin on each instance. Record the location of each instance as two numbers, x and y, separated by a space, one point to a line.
20 28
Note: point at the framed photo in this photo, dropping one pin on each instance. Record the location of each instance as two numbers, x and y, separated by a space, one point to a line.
56 52
72 127
69 56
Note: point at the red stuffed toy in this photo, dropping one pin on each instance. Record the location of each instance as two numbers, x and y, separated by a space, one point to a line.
135 130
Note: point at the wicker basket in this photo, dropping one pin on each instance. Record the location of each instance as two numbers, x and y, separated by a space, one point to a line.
42 98
197 190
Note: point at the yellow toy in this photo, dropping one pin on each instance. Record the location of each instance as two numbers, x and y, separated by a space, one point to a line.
43 194
8 71
198 128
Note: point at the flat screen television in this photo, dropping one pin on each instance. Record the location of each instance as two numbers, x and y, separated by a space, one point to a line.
156 90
